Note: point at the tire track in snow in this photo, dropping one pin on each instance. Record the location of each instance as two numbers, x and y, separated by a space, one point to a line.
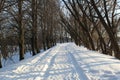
52 65
58 70
46 75
88 65
48 63
92 72
78 69
49 60
75 71
34 62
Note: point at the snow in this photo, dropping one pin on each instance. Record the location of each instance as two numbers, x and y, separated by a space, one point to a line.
64 62
14 58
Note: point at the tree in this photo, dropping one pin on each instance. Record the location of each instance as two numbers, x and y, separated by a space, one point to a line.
96 20
21 30
108 25
49 21
34 40
74 10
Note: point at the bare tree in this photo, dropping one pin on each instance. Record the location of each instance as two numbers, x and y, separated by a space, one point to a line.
96 20
48 15
107 24
21 30
34 40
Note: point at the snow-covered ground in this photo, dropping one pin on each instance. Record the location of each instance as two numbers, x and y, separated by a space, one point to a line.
14 58
64 62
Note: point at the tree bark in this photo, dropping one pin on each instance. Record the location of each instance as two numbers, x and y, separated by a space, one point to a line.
0 60
21 31
34 38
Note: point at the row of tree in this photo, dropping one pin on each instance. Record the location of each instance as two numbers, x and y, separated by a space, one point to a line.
94 24
28 25
31 25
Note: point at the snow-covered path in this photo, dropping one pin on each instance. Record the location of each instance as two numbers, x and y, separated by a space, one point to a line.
64 62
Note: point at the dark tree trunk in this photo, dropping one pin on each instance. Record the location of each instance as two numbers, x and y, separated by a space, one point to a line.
0 61
21 31
35 48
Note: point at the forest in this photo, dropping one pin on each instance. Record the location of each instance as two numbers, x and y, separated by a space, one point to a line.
32 25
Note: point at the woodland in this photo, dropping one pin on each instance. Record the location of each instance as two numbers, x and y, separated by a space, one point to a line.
32 25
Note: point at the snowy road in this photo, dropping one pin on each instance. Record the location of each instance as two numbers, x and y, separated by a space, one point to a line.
64 62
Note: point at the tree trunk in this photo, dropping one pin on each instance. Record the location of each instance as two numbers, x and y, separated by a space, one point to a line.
35 48
21 31
0 61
